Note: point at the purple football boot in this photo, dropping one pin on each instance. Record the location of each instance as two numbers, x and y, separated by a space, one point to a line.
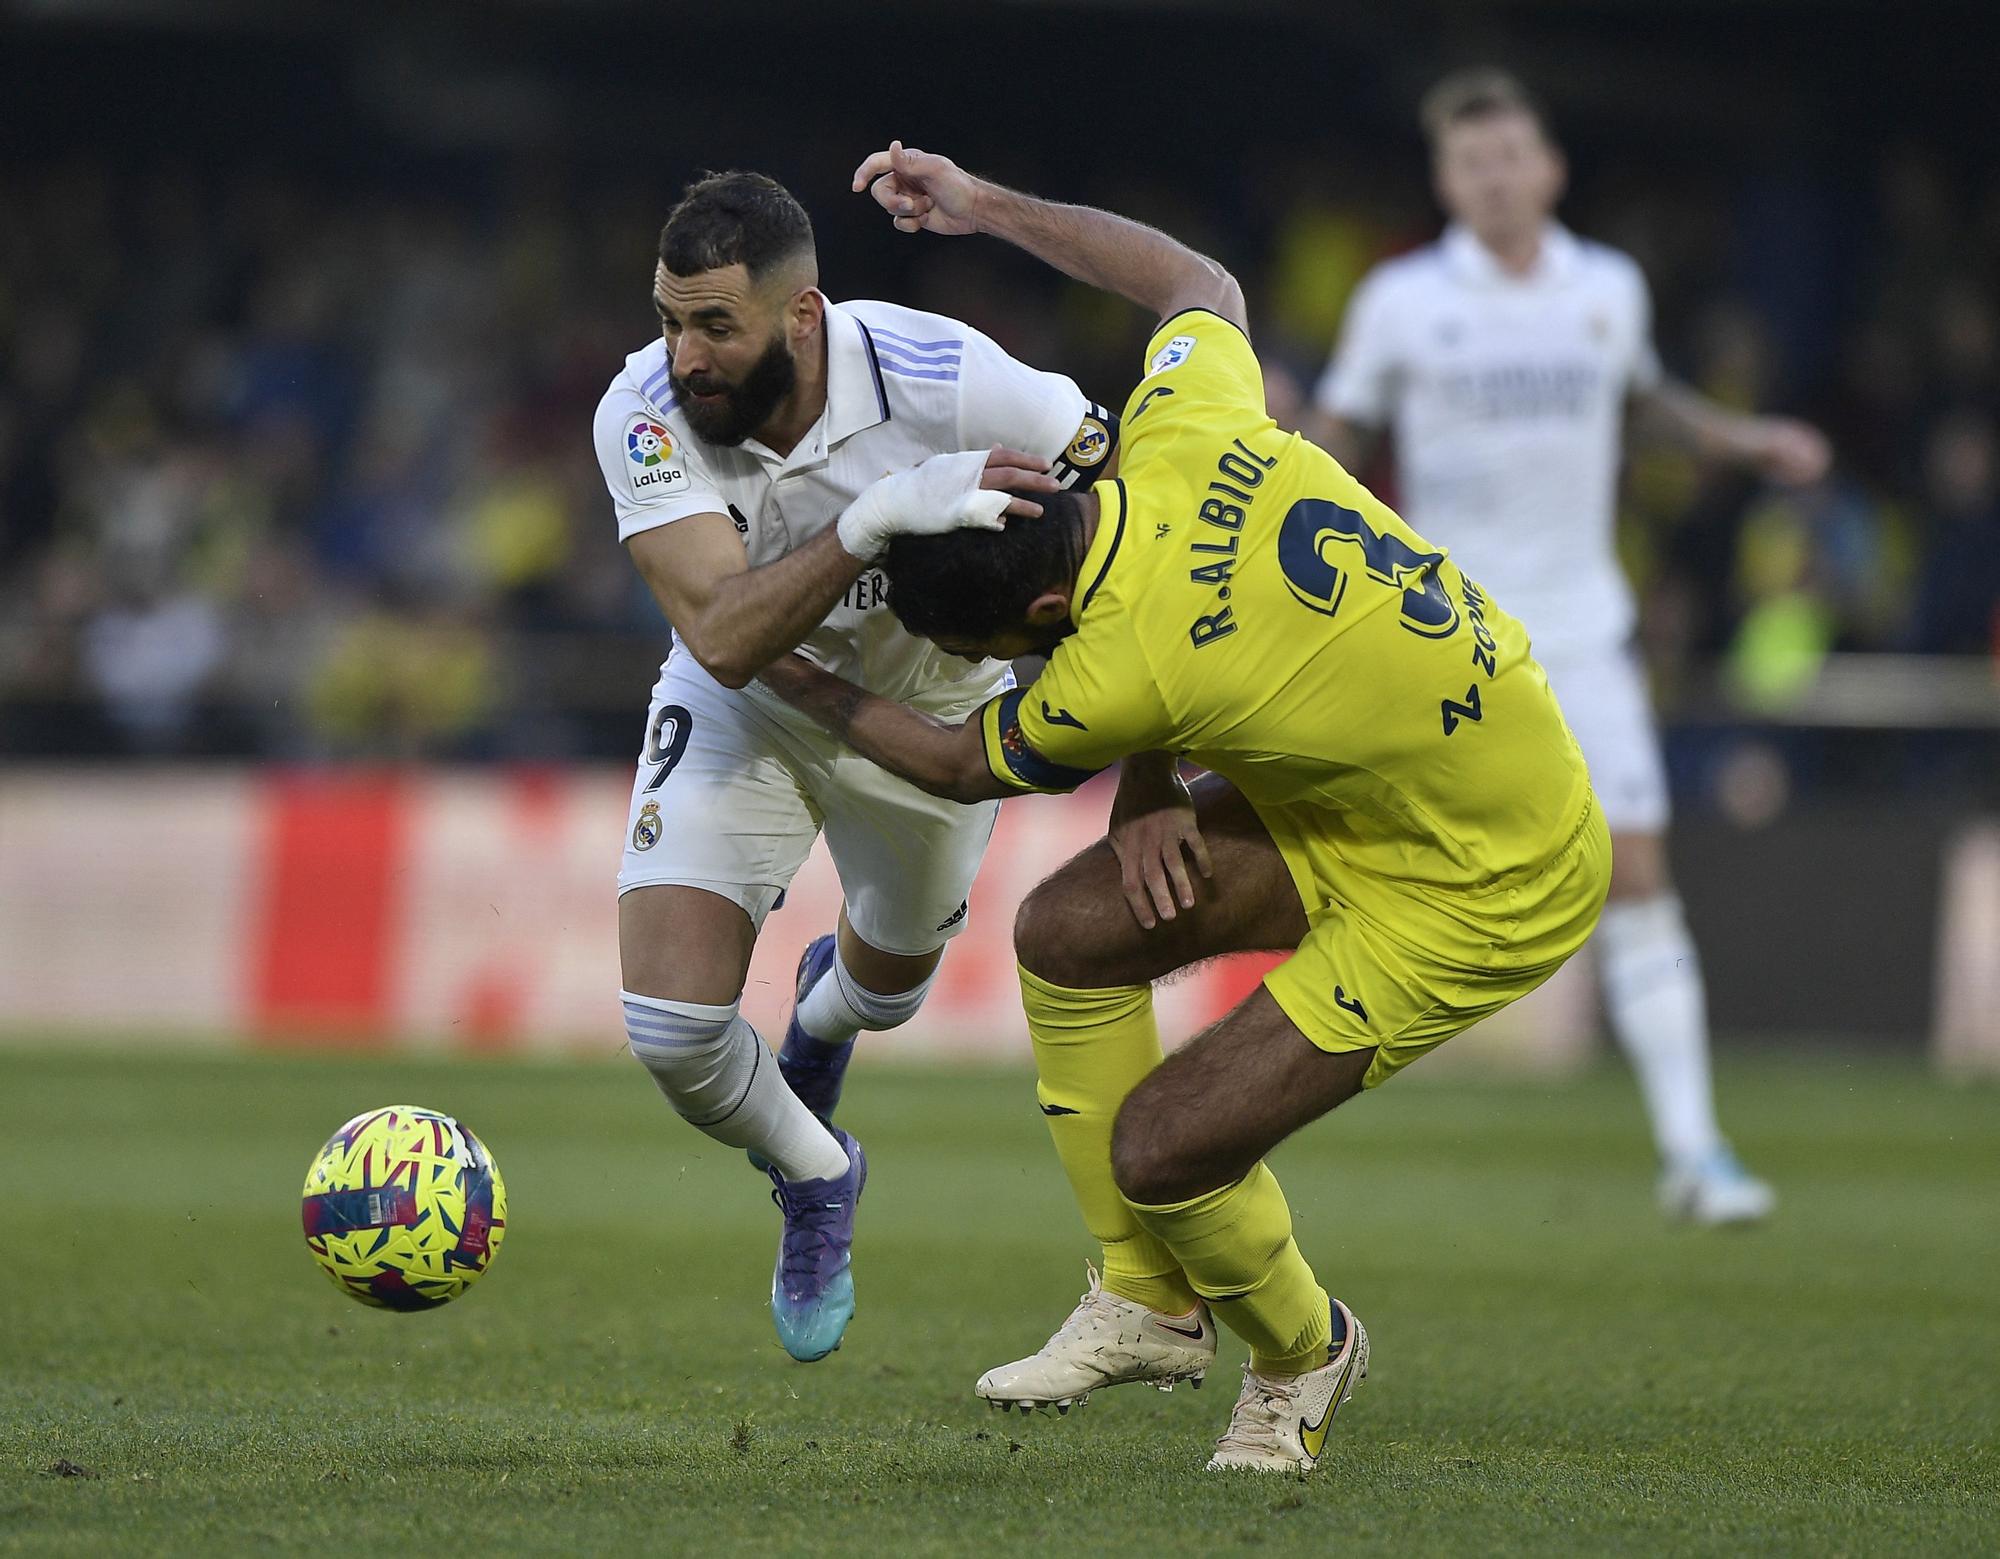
814 1068
812 1289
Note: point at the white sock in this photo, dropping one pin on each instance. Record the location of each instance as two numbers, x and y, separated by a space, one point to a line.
721 1077
1653 990
839 1006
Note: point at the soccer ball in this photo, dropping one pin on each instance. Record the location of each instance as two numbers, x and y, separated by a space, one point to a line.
404 1208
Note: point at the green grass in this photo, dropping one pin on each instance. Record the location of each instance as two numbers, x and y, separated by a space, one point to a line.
1554 1370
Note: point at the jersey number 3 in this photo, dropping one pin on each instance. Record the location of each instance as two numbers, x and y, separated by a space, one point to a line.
1316 528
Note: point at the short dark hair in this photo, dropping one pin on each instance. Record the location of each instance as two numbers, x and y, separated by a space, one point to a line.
1479 93
972 584
731 218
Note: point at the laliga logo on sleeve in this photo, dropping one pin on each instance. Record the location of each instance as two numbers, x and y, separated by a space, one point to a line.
1172 355
647 442
650 447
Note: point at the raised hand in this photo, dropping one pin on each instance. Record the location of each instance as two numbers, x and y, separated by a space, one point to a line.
922 191
1790 452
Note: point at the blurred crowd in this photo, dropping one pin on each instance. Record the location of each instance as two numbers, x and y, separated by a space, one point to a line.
300 471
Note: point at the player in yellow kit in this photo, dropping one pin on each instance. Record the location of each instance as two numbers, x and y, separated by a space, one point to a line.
1392 794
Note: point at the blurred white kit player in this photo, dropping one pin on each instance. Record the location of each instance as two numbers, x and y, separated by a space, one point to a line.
1504 357
737 448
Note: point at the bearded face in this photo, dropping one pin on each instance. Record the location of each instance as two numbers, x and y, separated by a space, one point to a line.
726 411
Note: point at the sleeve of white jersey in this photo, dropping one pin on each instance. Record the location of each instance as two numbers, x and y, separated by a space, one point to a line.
653 475
1359 384
1003 401
1646 372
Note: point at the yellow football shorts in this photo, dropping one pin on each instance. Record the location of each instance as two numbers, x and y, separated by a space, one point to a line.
1388 965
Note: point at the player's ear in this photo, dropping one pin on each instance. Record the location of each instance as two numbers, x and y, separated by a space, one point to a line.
1049 608
804 312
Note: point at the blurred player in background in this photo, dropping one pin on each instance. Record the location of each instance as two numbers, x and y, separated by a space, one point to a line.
1394 797
1504 358
735 448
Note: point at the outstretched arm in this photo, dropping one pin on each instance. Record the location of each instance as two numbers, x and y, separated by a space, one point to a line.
946 760
925 192
1781 448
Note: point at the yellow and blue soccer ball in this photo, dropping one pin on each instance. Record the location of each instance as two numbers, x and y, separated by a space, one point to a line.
404 1208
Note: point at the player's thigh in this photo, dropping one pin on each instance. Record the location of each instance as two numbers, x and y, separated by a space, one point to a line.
1605 701
717 814
1076 928
683 944
1397 971
1205 1116
906 859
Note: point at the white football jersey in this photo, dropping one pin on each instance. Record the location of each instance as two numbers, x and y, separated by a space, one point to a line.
901 386
1506 396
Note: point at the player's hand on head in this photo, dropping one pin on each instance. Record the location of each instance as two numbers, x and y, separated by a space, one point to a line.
1014 472
945 493
1791 452
922 191
1154 835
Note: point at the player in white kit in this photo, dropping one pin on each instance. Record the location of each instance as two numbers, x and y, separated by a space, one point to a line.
736 448
1504 358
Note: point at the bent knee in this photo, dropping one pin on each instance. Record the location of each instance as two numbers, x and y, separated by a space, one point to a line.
1058 933
1143 1163
661 1033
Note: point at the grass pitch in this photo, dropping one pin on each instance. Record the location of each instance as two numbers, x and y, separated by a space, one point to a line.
1554 1370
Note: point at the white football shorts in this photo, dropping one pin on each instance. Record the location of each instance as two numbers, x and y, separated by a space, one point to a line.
1603 693
733 787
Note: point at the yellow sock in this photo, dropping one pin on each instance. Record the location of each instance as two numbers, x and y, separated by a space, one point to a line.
1091 1048
1236 1247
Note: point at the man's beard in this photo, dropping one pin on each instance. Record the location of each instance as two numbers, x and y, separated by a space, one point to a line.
743 408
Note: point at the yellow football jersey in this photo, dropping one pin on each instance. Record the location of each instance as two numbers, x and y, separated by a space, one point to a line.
1248 604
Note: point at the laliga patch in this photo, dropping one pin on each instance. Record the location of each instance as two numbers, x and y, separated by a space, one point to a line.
646 832
656 467
1091 444
1172 355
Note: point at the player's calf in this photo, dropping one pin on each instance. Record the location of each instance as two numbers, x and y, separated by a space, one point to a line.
832 1004
716 1072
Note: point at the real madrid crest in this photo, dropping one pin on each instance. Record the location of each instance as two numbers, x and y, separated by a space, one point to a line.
1091 444
646 832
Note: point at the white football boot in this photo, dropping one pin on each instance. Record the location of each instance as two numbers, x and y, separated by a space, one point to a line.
1107 1341
1280 1423
1715 1191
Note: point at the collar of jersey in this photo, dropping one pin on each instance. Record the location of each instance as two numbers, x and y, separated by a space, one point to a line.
1103 548
855 396
1474 261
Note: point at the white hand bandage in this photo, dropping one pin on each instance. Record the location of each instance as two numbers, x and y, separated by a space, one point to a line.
942 494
